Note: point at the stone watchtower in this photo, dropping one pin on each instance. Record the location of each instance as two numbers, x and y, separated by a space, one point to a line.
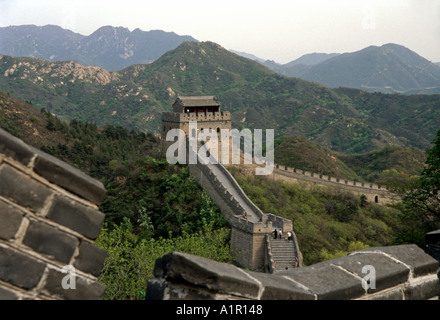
251 228
205 110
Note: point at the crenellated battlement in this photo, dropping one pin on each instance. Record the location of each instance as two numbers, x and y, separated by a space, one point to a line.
329 179
199 117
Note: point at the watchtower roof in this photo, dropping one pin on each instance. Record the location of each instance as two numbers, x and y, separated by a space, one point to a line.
182 103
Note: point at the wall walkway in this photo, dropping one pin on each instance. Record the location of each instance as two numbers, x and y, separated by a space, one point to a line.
373 192
249 224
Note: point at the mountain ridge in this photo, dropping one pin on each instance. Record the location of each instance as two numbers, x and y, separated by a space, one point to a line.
33 126
111 48
346 120
389 68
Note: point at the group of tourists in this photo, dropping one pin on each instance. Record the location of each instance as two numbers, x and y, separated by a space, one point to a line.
278 234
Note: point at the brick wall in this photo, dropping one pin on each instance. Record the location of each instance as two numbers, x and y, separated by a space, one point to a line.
402 272
372 191
248 235
49 219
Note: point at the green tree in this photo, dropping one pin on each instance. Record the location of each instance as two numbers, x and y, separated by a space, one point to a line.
130 261
424 196
420 207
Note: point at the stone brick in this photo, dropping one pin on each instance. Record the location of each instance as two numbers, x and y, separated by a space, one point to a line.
182 276
84 289
6 294
76 216
423 290
411 255
50 241
390 294
388 272
327 282
156 290
69 178
206 273
180 290
432 240
19 269
280 288
15 148
22 189
90 259
10 218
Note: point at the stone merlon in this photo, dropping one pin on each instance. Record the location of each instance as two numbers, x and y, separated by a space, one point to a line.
402 272
52 169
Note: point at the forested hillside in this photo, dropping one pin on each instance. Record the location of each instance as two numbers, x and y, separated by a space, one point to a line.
344 120
149 203
153 207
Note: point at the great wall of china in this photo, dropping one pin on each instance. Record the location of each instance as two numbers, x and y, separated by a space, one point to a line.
374 192
403 272
50 218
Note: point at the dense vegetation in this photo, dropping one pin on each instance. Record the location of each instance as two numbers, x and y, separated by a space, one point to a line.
421 197
298 152
153 208
131 257
328 222
383 165
344 120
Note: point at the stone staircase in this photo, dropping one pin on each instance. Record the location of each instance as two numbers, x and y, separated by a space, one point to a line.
250 225
283 254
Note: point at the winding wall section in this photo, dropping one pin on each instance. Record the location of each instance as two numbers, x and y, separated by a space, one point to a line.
250 226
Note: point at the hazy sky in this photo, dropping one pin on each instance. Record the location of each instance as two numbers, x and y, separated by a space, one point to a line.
280 30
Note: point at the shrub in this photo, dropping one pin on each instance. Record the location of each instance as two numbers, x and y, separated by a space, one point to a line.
130 260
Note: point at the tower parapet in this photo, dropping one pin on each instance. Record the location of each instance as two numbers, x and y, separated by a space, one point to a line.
206 110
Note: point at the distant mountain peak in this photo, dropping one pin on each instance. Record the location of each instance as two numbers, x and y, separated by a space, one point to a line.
111 29
312 58
109 47
345 120
388 68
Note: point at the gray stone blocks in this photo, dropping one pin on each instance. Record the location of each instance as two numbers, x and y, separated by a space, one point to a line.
19 269
85 289
22 189
76 216
50 241
49 219
15 148
68 177
400 272
90 258
10 218
51 168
